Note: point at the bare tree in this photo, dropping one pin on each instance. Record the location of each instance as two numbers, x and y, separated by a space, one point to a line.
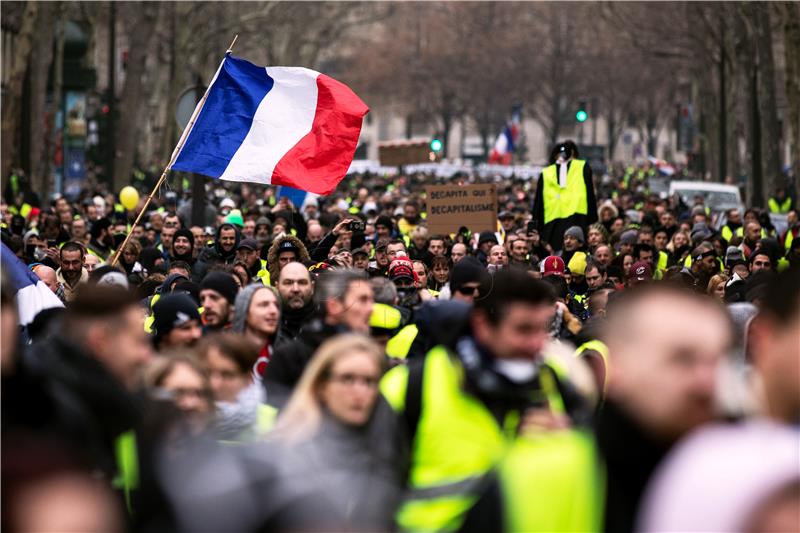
24 16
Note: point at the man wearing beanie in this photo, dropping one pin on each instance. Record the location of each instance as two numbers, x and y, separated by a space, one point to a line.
217 296
573 241
176 322
466 278
182 247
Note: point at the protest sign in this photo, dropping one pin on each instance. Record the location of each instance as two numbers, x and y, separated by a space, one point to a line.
450 207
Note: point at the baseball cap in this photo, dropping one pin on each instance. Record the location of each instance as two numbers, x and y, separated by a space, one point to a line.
248 243
382 243
359 251
402 268
640 271
287 245
552 266
505 215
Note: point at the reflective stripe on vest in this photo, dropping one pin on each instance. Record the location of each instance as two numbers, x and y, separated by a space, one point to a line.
787 243
563 203
551 481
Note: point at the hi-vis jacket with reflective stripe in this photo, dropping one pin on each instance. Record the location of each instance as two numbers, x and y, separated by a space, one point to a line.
456 442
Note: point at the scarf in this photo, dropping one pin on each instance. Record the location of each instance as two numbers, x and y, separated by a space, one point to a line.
235 418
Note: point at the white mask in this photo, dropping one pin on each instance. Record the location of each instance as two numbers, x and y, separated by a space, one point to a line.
516 370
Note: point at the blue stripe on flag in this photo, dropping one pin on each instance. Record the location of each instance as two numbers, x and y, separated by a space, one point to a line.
18 275
226 117
296 196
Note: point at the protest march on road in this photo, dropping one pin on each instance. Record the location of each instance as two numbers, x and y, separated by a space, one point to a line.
329 349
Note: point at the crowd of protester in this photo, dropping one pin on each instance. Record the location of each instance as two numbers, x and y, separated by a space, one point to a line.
335 366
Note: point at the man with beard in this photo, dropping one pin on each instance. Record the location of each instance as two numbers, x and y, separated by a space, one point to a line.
297 294
102 239
71 273
704 265
222 251
217 296
182 247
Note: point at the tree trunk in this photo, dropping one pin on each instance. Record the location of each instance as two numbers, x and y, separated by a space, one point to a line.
770 128
12 100
142 18
41 60
791 47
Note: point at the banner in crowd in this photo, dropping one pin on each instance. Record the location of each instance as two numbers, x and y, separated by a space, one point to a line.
450 207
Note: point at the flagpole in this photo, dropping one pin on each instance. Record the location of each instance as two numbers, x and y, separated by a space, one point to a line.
172 158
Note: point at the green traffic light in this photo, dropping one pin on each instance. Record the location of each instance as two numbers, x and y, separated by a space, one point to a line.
436 145
581 115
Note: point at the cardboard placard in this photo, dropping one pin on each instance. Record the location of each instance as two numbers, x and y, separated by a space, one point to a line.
405 153
450 207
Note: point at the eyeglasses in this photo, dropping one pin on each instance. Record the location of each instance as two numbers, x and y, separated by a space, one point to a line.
348 380
468 290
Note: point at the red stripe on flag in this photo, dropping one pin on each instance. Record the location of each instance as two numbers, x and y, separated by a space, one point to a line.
319 161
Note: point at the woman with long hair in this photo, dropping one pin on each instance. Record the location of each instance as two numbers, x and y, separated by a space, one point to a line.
337 435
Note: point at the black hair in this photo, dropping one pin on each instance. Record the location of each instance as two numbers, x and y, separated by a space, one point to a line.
508 287
73 246
642 247
591 263
570 146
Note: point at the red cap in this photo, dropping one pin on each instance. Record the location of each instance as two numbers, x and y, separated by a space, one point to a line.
552 266
400 268
640 271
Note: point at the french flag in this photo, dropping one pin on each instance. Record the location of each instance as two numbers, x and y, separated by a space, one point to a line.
30 293
274 125
506 143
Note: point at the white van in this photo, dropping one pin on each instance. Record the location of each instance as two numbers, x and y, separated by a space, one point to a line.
717 196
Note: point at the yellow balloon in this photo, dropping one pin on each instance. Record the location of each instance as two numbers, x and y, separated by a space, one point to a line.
129 197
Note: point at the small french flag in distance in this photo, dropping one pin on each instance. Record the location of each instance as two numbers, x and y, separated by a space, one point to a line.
276 126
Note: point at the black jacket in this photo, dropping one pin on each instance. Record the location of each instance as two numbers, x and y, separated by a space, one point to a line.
290 359
631 456
215 254
292 320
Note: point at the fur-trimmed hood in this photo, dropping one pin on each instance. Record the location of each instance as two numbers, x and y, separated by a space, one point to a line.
272 256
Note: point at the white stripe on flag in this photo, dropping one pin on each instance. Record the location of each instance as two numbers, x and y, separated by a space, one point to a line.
34 298
283 117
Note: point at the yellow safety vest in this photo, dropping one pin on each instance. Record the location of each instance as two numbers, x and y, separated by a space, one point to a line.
727 233
399 345
457 441
663 259
599 347
263 274
552 481
787 243
779 209
563 203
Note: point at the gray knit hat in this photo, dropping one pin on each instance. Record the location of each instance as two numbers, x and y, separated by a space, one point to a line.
242 305
577 232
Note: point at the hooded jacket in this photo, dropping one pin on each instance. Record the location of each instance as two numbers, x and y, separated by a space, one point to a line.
215 254
272 256
187 257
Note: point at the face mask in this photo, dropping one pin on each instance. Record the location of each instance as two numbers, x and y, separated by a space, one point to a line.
516 370
39 254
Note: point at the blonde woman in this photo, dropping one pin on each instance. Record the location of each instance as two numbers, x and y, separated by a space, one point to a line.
338 436
716 286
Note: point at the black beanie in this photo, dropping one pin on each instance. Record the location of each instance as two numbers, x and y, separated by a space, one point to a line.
468 270
172 310
183 232
223 283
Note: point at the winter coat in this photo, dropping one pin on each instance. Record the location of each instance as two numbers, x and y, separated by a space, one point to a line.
213 254
290 359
